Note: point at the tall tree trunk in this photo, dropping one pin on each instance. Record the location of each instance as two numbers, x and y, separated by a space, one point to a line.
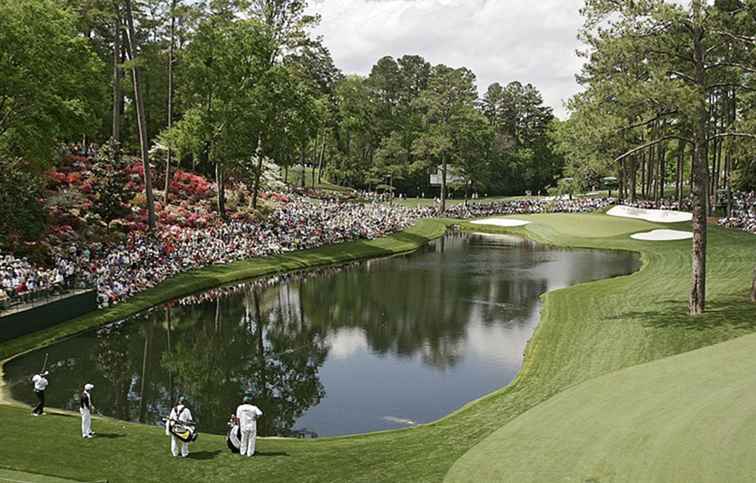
620 180
443 183
221 198
115 135
302 155
715 173
679 173
141 117
643 174
258 172
633 180
700 198
170 97
315 154
661 177
321 158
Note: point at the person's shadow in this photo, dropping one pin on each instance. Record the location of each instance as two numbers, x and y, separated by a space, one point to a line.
109 435
204 455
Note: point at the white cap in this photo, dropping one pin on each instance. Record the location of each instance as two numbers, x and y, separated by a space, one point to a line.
88 387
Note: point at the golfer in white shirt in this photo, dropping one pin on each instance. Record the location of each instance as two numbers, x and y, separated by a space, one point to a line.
247 415
40 384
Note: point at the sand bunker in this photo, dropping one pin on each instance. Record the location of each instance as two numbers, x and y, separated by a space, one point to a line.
663 235
656 216
506 222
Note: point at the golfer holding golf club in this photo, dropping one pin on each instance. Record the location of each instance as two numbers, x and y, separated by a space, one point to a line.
40 384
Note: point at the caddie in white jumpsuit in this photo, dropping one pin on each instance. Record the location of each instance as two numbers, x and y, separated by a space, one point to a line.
179 413
247 415
86 408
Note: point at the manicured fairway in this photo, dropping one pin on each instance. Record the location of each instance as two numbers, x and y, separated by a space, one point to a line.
10 476
586 331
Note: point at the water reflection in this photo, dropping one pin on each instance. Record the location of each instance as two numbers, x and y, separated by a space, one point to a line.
373 345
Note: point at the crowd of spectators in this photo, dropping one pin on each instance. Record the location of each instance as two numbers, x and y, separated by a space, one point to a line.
143 261
121 270
20 281
659 205
742 210
742 213
529 206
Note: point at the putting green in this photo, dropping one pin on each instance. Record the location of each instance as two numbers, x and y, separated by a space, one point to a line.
686 418
583 225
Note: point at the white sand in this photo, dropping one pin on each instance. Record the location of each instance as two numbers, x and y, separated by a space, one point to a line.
506 222
656 216
663 235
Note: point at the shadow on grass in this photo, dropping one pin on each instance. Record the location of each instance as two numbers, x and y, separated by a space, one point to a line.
204 455
109 435
735 313
60 415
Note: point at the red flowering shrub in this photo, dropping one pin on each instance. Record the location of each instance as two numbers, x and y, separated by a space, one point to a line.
56 178
73 178
188 185
136 168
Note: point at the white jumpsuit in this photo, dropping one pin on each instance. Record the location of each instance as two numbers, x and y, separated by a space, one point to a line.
179 413
247 415
86 414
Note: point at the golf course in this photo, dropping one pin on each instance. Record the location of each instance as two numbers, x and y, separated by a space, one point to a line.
618 382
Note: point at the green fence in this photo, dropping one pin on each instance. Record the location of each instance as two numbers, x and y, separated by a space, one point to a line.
44 316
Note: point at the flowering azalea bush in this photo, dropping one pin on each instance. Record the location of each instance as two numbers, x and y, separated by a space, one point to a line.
189 186
92 195
56 178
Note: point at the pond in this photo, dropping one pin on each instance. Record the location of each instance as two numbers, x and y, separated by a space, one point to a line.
373 345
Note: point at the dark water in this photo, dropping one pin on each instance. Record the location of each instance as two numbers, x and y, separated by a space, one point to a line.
375 345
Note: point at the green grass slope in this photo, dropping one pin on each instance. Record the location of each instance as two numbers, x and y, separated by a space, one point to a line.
686 418
585 332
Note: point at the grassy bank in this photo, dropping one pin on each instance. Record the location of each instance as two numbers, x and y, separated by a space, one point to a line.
586 331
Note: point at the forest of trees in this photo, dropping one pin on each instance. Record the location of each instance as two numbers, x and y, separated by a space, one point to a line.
668 106
219 85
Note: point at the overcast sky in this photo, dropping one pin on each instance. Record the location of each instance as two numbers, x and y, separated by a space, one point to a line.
500 40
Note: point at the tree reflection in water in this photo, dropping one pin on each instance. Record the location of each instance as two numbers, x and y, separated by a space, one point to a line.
416 335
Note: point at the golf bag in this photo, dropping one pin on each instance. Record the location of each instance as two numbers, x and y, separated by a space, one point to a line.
233 438
186 432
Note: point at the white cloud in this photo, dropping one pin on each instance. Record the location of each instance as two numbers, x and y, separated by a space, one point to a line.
500 40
